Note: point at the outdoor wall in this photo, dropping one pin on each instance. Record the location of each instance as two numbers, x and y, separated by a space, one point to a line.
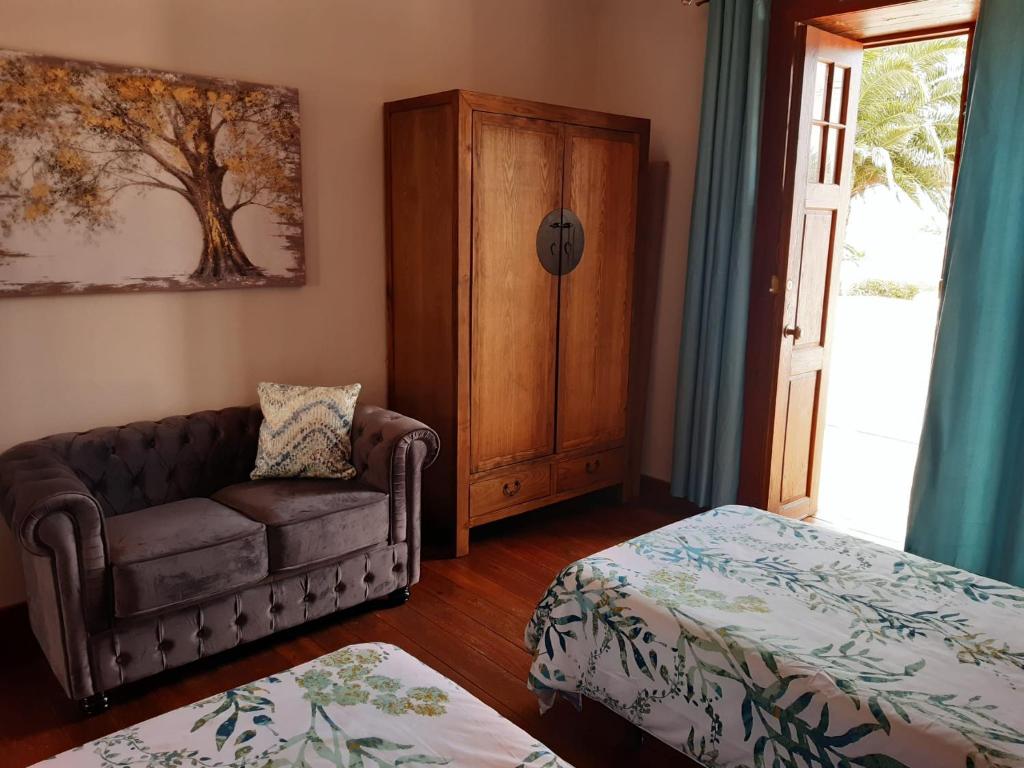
74 362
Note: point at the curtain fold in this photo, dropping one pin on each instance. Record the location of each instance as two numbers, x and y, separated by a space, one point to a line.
967 503
709 405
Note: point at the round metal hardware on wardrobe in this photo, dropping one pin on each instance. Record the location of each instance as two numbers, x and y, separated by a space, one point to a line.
560 241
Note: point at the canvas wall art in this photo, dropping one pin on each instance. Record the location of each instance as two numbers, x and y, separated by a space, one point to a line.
125 179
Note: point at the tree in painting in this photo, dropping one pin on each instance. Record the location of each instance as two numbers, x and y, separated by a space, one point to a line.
73 138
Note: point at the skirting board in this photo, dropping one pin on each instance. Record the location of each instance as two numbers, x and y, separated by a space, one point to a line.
16 613
656 492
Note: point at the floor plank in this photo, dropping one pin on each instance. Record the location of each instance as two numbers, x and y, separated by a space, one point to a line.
490 614
466 620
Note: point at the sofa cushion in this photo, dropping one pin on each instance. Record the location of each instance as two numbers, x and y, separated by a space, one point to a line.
311 520
182 551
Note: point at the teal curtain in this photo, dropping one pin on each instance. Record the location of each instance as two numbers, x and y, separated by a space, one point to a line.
967 504
709 405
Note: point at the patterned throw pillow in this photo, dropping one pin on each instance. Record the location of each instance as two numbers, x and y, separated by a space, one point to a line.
306 431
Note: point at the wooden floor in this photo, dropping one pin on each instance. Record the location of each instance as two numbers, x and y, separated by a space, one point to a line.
465 619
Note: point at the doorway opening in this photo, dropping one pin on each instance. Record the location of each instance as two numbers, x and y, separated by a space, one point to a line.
885 310
806 178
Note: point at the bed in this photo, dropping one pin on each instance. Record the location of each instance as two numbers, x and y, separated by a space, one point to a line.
368 705
741 638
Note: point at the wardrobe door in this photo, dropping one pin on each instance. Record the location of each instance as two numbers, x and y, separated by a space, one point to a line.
600 187
517 181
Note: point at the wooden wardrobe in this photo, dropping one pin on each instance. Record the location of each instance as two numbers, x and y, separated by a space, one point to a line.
511 238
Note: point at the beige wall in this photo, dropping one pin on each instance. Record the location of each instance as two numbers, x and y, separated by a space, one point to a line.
652 65
70 363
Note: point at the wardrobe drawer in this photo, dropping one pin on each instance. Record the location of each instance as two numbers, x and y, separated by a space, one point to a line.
508 488
597 469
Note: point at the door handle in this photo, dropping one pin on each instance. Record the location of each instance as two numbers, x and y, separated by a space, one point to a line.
794 332
573 239
560 240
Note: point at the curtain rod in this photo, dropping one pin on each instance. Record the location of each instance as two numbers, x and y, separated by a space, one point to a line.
692 3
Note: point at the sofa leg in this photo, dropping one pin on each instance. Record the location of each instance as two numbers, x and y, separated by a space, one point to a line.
95 704
399 597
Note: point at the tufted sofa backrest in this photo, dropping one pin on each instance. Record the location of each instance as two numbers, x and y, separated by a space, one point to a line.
156 462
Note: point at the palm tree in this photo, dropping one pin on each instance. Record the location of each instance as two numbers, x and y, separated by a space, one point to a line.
907 119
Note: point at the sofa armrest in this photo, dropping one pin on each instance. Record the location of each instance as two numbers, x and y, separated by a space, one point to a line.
54 516
36 483
390 451
59 526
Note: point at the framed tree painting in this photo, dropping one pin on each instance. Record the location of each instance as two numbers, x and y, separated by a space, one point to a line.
126 179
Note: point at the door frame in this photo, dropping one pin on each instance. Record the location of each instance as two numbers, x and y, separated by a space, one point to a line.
871 22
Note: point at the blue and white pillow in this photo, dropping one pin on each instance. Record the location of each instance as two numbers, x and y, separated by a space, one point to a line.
306 431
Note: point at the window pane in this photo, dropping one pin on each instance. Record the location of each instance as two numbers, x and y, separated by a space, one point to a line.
814 161
820 84
832 155
835 108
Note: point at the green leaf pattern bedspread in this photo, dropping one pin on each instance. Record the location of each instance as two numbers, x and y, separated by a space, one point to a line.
364 706
745 639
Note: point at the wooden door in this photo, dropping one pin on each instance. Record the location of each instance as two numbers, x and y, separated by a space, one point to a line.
819 169
517 180
600 187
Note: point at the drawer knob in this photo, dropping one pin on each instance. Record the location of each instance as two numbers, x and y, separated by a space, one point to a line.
511 489
593 466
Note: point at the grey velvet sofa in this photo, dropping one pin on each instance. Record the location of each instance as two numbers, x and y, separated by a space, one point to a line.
145 547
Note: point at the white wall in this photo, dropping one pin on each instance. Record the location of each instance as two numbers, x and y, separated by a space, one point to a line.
71 363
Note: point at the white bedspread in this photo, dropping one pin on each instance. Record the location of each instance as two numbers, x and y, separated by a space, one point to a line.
744 639
368 705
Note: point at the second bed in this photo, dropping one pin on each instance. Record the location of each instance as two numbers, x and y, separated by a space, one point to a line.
742 638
